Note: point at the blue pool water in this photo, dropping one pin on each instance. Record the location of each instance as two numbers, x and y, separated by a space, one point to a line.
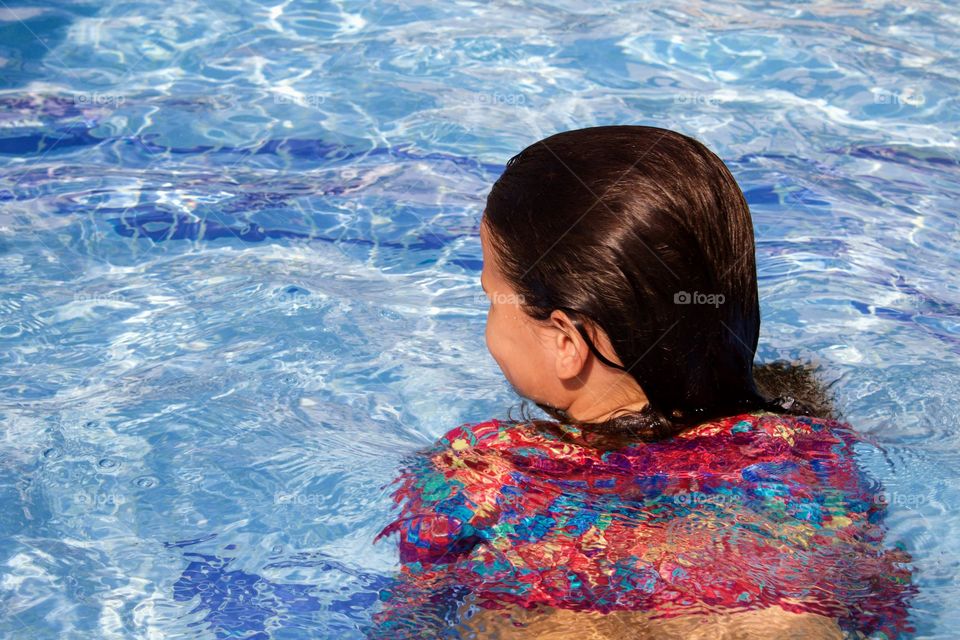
239 271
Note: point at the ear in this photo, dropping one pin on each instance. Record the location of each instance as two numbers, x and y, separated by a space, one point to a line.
569 347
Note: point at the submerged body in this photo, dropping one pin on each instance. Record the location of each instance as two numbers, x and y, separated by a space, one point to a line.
564 624
735 516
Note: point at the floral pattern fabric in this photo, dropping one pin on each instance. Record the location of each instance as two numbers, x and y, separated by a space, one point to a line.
737 513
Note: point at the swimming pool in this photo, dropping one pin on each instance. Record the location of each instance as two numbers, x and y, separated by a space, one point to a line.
240 271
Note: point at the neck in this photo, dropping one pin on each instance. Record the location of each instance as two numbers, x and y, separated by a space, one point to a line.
587 407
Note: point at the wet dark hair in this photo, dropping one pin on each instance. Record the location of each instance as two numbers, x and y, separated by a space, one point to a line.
644 232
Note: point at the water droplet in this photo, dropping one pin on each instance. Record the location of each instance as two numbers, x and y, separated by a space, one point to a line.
53 453
278 549
146 482
108 463
10 331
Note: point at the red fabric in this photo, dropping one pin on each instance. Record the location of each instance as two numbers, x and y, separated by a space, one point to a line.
743 512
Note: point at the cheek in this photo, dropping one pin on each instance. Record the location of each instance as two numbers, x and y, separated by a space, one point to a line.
506 342
493 334
501 338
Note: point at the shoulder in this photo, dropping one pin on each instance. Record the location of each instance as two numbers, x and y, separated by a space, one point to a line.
448 491
810 431
786 427
455 475
480 435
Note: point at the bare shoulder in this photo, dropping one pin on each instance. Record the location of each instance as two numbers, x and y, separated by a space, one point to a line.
772 623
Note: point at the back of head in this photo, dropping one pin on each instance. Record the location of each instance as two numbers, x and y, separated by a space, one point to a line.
643 232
